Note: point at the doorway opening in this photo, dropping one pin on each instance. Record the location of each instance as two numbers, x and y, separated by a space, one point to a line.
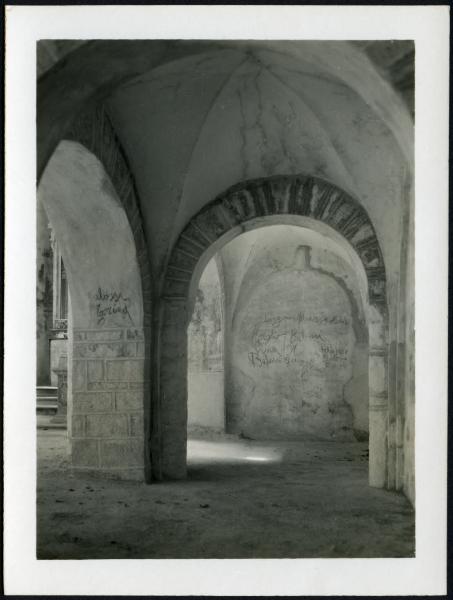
305 202
278 353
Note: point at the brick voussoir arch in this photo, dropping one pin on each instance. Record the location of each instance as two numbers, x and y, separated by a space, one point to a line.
279 195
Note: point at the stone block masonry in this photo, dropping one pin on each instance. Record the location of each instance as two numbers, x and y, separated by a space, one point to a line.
108 392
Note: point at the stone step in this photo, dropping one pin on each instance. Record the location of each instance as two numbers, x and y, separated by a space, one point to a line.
47 399
46 405
47 412
46 391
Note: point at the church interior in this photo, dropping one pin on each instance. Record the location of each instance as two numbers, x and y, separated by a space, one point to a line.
225 299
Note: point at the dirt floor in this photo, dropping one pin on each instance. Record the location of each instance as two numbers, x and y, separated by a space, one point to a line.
242 499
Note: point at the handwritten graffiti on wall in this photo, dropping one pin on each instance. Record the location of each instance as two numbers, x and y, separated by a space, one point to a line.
306 339
111 303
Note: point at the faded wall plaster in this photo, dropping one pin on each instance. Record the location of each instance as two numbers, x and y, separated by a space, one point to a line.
297 358
205 354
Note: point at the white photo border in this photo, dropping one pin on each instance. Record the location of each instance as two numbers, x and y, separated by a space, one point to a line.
428 26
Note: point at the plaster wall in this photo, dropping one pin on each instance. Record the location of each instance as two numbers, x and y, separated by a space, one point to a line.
206 405
297 352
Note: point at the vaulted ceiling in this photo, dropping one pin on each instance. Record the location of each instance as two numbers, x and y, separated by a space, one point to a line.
196 118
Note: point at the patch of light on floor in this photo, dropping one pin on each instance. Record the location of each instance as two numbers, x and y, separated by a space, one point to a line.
230 452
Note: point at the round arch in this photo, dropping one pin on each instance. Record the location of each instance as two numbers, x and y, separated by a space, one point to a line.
89 196
296 200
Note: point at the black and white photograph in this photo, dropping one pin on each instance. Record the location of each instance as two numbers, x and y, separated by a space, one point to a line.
224 296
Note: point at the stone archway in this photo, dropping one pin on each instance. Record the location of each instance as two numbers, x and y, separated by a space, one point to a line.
249 205
91 202
94 130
